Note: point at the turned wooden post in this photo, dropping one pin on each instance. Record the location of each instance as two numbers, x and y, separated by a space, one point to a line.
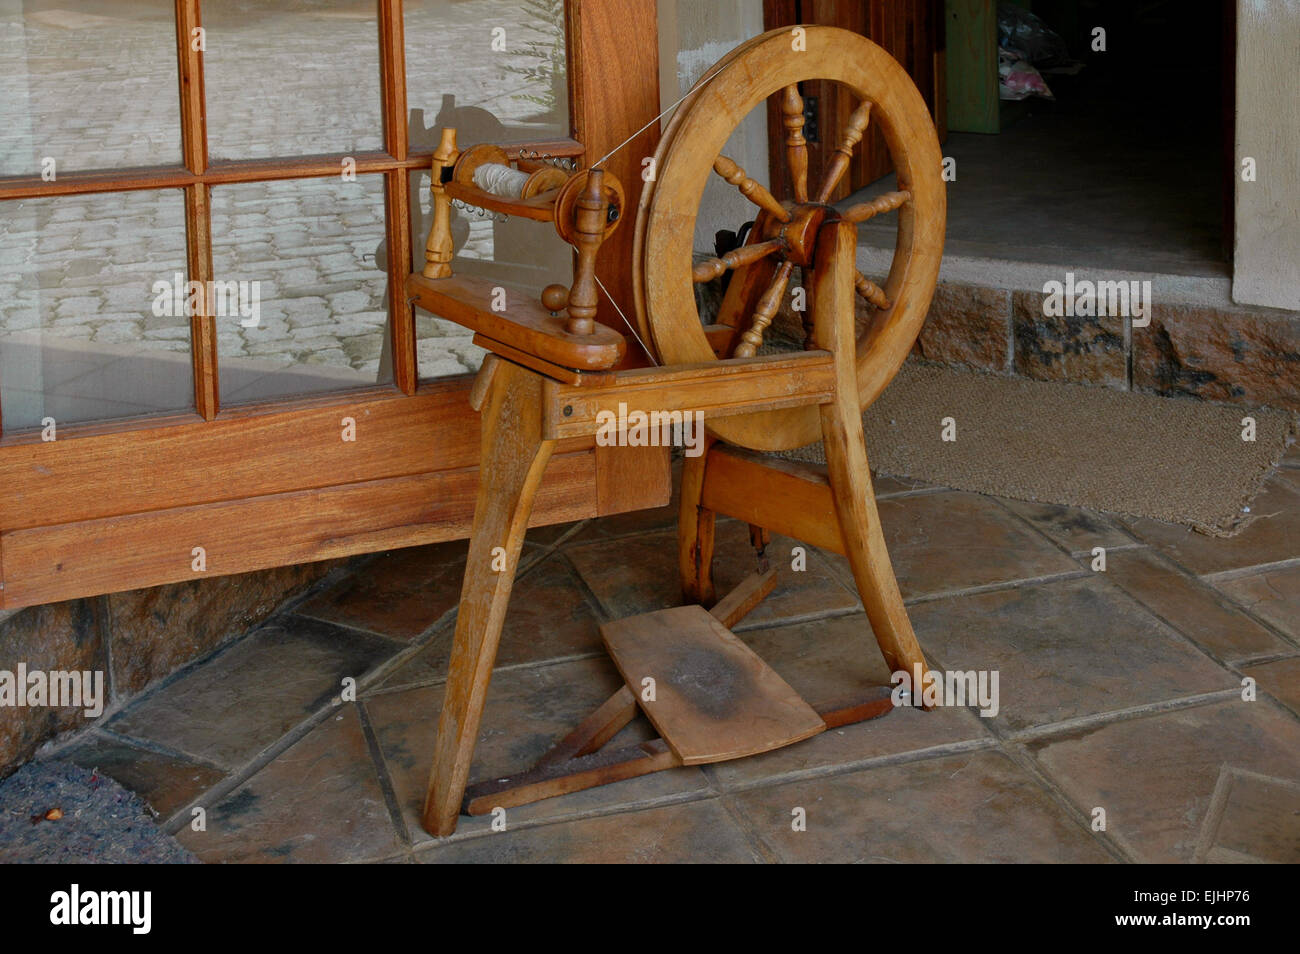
839 163
438 249
591 213
796 147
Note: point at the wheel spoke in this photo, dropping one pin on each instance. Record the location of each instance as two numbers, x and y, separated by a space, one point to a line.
871 292
882 203
839 163
751 190
711 268
796 147
764 312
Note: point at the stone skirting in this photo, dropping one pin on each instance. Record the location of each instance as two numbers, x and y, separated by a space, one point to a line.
134 638
1239 354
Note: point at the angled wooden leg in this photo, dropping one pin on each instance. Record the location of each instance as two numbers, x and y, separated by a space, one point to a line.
513 458
846 455
695 532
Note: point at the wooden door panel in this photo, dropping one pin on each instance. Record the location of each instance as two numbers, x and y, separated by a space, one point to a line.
912 32
120 505
91 557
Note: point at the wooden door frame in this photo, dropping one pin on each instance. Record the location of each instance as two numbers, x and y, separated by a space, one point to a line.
120 505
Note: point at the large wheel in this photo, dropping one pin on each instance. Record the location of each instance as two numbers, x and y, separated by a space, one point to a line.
784 234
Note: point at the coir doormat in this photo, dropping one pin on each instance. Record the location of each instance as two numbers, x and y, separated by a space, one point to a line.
1179 460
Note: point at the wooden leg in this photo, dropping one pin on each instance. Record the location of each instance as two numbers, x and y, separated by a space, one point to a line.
513 459
695 532
846 455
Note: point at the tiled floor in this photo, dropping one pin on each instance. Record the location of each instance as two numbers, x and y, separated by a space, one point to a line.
1121 702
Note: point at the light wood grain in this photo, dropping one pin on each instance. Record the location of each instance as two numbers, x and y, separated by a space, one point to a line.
715 699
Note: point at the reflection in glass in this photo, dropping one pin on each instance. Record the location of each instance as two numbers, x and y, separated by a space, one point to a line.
89 328
292 77
312 250
88 85
494 69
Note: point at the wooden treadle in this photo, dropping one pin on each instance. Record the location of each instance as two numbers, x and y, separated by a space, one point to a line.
715 699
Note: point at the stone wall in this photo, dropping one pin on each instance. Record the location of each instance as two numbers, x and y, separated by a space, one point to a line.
135 638
1240 354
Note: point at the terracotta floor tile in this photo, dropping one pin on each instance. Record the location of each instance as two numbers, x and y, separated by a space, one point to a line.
637 575
400 594
549 618
700 831
1191 607
1257 821
1064 649
1156 775
950 541
827 660
970 807
1272 594
1074 528
166 782
240 702
318 802
527 712
1272 538
1280 679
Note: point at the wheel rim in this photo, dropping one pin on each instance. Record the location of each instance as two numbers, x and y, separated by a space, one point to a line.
692 142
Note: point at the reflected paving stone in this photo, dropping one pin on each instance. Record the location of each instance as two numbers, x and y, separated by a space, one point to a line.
969 807
237 704
700 831
527 712
1280 679
1074 528
1156 775
318 802
1272 538
830 660
549 618
1258 821
950 541
1272 594
166 782
1065 649
1189 606
400 594
639 575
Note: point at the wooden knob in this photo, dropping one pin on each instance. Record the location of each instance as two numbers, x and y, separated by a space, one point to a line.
555 298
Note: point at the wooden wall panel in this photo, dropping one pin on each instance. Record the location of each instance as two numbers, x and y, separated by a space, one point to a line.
59 562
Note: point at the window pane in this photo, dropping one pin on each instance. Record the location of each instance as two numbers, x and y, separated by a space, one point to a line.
90 86
494 69
291 77
310 253
84 333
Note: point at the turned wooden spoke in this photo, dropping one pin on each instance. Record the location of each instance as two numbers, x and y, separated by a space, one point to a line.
871 291
839 163
796 147
711 268
881 203
764 312
751 190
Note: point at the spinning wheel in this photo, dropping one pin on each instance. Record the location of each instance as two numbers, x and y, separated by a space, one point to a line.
551 376
783 235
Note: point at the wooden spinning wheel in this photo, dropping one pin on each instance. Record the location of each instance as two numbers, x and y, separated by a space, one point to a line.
551 377
783 235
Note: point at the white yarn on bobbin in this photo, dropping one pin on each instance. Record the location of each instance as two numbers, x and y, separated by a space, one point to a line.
500 179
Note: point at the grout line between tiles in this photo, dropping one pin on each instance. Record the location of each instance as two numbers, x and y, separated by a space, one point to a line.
382 775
